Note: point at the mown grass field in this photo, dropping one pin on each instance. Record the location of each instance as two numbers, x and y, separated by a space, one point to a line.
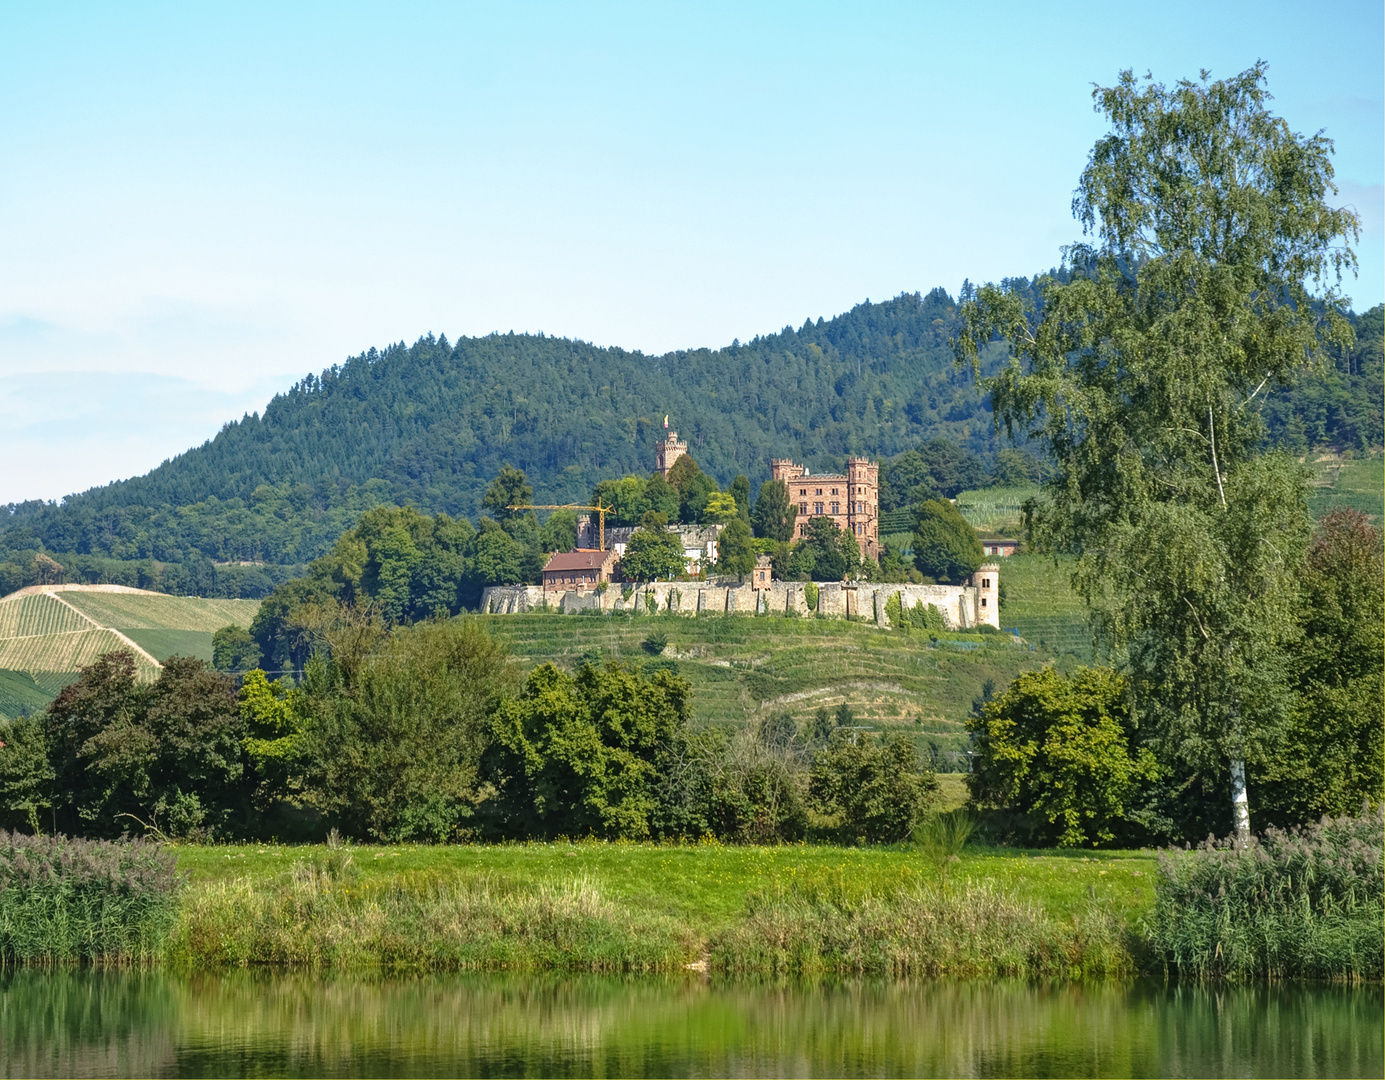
744 668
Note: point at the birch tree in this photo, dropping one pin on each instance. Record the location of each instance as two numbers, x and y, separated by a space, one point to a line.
1209 277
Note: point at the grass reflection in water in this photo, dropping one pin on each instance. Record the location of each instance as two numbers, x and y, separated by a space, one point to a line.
84 1023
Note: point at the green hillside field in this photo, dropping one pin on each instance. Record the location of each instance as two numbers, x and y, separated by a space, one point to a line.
746 668
46 636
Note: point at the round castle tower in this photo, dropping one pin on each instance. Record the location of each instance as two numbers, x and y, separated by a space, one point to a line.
986 581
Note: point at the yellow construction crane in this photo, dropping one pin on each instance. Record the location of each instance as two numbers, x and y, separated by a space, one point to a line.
600 515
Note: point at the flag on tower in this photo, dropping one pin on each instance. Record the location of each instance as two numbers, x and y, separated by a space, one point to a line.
665 421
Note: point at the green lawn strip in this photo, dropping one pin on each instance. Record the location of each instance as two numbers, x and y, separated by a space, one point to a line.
706 886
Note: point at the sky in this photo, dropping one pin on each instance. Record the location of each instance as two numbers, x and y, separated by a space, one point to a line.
202 203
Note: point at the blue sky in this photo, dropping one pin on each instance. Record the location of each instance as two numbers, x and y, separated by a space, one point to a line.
201 203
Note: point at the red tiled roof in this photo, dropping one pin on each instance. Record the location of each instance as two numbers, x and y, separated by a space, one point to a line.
581 559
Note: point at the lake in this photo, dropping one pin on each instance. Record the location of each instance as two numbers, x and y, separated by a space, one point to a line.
249 1023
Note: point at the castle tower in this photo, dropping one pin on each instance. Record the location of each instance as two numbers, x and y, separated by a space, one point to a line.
784 470
668 451
863 487
986 580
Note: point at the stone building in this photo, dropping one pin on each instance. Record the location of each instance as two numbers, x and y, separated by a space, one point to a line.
852 499
579 570
699 541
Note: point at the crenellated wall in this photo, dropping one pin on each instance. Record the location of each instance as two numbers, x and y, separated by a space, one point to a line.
961 605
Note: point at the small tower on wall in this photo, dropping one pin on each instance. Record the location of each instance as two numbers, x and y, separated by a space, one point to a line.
987 583
668 451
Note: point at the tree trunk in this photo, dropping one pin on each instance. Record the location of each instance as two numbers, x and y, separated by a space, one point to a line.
1240 803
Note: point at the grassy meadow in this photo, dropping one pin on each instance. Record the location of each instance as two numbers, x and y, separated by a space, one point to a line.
602 906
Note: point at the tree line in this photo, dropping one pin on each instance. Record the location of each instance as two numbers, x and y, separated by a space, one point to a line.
429 732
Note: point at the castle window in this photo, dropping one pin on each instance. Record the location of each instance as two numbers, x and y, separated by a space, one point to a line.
834 491
817 508
983 601
836 508
803 491
802 508
818 491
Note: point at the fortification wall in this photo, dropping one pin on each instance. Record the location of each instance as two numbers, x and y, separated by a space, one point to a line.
959 604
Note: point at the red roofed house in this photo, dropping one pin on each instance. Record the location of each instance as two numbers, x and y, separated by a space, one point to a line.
584 568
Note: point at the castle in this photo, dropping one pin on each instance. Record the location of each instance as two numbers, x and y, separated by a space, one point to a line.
851 500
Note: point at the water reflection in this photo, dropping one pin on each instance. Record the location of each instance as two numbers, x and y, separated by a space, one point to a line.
87 1023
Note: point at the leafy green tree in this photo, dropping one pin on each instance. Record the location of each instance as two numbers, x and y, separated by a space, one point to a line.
394 726
653 554
581 756
1140 376
559 532
1332 757
26 775
698 492
740 491
1061 750
721 508
872 790
681 472
774 515
945 546
129 755
661 496
904 481
736 549
499 558
825 553
629 496
273 715
509 488
233 649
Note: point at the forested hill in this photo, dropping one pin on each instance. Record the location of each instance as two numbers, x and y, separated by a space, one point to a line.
430 424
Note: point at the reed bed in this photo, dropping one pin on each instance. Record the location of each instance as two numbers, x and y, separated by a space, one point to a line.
97 901
1305 903
322 915
978 929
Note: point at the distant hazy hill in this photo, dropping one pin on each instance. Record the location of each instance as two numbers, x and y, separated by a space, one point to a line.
430 424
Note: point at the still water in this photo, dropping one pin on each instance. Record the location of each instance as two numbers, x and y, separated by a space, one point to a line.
86 1023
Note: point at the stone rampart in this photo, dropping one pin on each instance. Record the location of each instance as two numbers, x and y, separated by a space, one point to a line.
959 604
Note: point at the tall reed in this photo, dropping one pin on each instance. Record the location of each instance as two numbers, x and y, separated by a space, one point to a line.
320 914
64 900
1307 903
979 929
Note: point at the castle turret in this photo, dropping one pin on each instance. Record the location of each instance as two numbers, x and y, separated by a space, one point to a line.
986 581
668 451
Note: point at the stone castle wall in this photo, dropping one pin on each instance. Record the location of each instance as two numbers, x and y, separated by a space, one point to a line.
960 604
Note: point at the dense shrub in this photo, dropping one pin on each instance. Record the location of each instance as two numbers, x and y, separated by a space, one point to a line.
1300 903
65 900
870 790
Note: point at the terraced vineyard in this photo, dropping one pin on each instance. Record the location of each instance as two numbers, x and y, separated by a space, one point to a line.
46 635
1358 483
154 611
744 668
